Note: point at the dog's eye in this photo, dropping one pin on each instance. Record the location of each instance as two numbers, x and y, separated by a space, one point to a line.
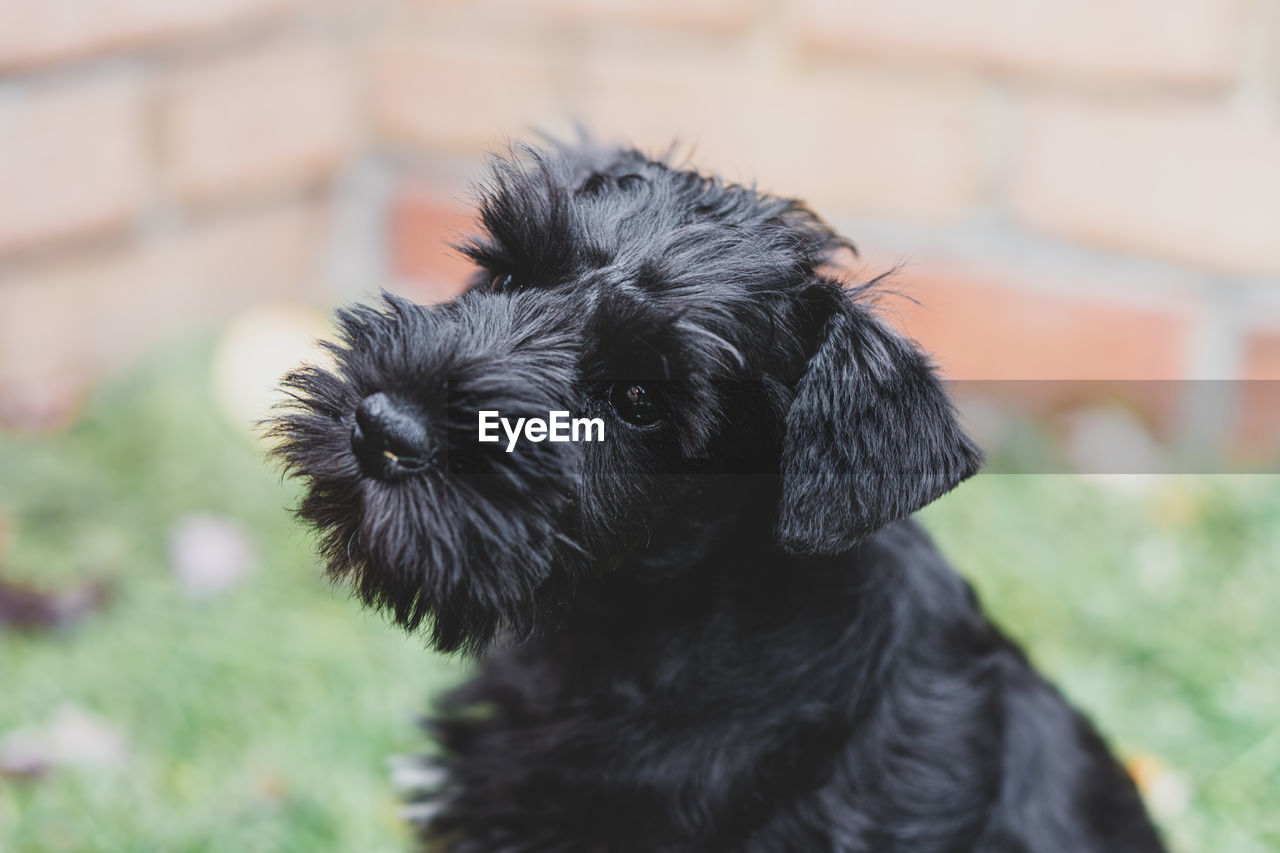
634 404
501 283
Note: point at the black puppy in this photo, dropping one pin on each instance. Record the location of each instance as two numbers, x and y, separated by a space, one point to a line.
715 629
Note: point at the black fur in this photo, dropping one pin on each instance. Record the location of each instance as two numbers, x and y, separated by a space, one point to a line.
715 632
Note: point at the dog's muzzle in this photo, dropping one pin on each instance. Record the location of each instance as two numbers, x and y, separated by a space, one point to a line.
390 438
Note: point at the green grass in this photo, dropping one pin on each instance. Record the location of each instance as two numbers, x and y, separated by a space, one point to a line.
257 721
260 720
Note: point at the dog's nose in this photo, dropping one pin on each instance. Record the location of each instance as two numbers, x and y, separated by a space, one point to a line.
390 438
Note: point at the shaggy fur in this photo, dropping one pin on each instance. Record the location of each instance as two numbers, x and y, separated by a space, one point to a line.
718 629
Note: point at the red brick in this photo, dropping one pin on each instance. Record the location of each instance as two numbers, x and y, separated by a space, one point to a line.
73 162
40 31
1194 184
1191 42
459 91
846 140
71 322
275 117
989 326
1258 428
1262 356
424 223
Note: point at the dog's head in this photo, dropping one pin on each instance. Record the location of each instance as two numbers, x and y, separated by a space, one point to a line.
731 376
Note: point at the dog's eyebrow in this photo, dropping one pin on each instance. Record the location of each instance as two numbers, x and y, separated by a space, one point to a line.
639 338
666 365
717 342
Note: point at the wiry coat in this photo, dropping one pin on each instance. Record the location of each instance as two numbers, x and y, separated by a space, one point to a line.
718 629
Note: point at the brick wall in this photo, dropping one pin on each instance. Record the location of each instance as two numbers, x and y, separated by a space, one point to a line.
1081 189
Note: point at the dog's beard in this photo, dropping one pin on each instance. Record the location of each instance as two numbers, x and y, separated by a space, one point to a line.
440 548
471 555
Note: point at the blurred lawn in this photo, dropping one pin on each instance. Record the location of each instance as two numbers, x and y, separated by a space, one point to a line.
261 719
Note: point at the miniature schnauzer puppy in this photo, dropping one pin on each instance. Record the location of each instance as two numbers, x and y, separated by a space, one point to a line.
709 623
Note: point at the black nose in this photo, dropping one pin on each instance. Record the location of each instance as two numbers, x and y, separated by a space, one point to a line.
390 438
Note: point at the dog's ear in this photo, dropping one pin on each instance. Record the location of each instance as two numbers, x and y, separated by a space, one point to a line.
870 436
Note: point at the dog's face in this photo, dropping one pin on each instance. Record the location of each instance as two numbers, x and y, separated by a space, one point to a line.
692 319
